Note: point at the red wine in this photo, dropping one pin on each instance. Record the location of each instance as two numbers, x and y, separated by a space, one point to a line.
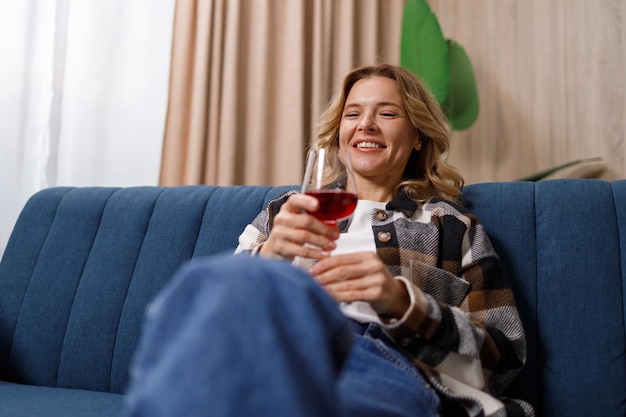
334 204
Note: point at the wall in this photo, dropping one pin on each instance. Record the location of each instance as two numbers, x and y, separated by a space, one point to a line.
551 84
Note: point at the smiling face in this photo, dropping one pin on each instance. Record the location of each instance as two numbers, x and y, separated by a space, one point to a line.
379 135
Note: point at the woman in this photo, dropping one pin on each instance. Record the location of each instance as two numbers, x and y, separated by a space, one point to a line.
428 325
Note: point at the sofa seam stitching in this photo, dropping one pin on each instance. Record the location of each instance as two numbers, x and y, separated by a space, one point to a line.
132 274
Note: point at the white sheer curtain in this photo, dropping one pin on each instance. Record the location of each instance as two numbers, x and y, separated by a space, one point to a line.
83 95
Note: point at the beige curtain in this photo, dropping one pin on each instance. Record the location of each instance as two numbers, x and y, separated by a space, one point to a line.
249 79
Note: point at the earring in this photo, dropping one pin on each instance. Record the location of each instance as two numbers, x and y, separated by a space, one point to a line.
418 147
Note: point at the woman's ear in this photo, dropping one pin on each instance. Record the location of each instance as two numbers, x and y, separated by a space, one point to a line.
418 140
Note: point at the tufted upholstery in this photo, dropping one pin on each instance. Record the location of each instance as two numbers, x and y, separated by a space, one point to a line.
563 244
82 264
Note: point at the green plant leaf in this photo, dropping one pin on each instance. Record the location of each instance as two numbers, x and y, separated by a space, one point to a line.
542 174
423 49
462 103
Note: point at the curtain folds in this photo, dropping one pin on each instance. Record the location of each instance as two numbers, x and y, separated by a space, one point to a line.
84 95
249 79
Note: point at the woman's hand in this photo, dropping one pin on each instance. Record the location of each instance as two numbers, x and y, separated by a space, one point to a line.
362 276
293 227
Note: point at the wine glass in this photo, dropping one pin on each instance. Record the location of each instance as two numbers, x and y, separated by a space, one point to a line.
329 178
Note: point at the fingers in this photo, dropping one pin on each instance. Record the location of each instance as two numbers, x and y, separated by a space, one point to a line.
349 273
347 266
295 233
289 242
292 215
298 202
362 277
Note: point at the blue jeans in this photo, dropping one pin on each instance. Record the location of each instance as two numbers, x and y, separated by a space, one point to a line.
244 336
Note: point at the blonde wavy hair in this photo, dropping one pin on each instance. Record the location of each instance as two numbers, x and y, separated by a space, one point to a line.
426 174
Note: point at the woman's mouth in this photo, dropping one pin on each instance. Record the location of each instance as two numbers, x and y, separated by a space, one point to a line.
368 145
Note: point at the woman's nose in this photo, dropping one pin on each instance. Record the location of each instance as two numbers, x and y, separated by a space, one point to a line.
367 122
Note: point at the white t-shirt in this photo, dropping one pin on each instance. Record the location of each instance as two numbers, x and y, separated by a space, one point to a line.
359 238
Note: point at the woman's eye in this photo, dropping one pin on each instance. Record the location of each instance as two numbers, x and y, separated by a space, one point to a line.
388 114
351 115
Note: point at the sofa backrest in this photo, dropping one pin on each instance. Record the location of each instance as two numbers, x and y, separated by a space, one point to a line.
83 263
563 245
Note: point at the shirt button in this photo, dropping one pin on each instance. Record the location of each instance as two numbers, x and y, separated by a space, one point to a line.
384 236
381 215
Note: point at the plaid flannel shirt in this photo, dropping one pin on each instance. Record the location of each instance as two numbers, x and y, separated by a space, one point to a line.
470 342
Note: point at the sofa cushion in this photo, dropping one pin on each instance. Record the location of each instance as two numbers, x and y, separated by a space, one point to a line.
83 263
562 243
28 400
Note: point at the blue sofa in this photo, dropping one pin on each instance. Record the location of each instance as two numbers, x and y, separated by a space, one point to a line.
82 264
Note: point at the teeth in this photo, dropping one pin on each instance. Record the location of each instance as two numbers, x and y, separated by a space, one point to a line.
368 145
